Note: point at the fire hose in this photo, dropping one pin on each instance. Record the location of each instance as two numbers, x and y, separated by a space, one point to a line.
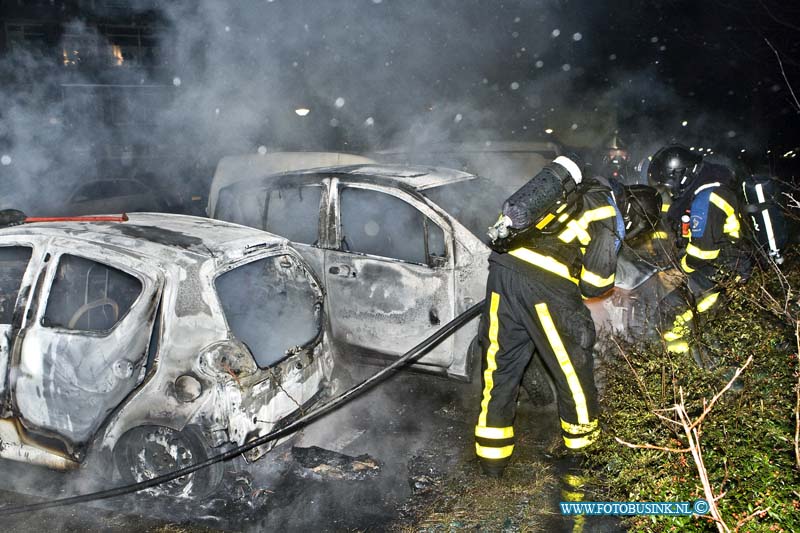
328 407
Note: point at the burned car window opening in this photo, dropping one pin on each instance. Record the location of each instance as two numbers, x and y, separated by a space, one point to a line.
289 211
293 212
246 209
435 247
376 223
13 263
271 306
89 296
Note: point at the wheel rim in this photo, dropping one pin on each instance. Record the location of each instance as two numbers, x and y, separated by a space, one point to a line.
151 451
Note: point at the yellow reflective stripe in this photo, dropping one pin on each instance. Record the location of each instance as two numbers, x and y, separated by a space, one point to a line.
571 496
685 266
545 221
660 235
708 302
580 232
494 433
678 347
574 480
581 442
577 429
577 227
731 226
593 279
720 202
679 326
694 251
599 213
543 261
664 208
685 317
488 452
563 360
491 364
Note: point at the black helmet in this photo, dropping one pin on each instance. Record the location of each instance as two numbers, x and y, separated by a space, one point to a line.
641 210
672 166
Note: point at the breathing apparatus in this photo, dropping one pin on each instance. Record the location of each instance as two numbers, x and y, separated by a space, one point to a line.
542 205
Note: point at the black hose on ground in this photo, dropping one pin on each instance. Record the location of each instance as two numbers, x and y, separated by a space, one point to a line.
415 352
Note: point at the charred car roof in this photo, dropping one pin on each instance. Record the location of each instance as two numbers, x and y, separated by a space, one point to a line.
416 177
152 233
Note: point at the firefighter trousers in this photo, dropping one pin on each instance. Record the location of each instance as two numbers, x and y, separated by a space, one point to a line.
683 306
529 314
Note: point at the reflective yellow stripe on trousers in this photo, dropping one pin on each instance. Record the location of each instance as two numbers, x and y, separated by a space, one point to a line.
491 364
488 452
564 361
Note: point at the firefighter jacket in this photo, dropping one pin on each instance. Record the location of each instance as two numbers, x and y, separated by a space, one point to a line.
582 249
707 221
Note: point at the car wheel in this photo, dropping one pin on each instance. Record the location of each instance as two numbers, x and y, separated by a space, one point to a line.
145 452
536 382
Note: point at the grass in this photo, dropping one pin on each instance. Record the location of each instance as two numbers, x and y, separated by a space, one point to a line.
470 501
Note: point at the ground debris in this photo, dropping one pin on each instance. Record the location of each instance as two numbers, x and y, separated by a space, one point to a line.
424 472
318 463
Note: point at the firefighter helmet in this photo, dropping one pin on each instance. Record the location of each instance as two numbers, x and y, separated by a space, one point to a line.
641 210
672 166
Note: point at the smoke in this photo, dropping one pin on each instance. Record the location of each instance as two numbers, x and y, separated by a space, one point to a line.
224 78
360 76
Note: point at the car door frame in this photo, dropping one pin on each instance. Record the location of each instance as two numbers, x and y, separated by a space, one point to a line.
9 332
145 306
443 352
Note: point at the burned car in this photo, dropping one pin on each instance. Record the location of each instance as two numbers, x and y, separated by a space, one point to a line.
399 252
395 265
153 343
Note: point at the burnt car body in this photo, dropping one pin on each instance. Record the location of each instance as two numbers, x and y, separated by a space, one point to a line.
395 266
151 342
399 253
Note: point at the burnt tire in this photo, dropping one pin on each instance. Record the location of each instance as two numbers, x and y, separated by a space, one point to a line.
536 382
145 452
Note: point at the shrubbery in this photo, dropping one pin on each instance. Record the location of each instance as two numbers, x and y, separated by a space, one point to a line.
748 438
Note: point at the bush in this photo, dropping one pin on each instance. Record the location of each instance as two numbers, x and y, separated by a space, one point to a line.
748 438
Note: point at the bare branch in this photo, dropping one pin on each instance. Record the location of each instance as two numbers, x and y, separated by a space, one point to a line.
652 447
776 19
789 85
710 405
757 512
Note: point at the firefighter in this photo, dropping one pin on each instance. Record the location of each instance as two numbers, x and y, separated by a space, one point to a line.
555 243
614 161
704 214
